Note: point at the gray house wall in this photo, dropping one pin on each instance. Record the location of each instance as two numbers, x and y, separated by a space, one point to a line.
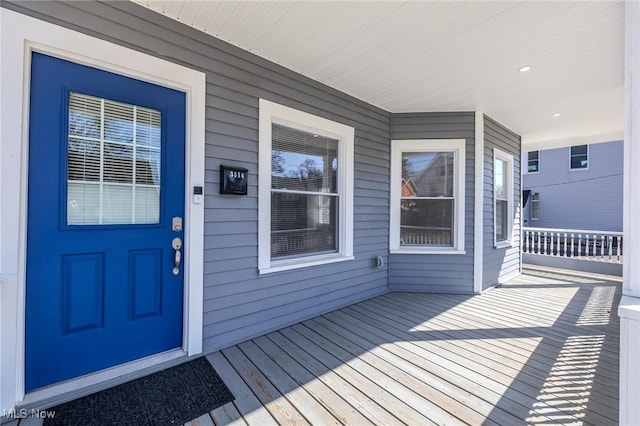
239 303
578 199
438 273
499 263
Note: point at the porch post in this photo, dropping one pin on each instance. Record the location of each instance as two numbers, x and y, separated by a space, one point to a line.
629 309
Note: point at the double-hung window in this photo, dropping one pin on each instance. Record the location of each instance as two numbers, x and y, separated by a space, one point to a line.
427 196
502 197
305 189
579 157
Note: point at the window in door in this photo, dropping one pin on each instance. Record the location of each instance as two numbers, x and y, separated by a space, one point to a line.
113 162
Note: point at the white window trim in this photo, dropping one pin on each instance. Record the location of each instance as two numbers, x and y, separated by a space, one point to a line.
21 36
272 113
588 158
526 158
458 147
508 159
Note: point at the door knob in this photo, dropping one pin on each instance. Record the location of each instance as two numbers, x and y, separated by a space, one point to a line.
176 243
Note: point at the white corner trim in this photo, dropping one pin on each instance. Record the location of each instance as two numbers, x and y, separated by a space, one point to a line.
631 198
478 204
458 147
629 308
20 36
270 113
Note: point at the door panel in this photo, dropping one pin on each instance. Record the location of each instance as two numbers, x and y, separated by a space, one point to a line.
106 176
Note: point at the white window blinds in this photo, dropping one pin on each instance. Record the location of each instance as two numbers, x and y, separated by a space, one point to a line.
304 196
113 162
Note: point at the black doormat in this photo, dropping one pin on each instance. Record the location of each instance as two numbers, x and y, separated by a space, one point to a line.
170 397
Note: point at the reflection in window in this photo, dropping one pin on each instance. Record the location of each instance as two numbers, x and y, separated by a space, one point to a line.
113 162
501 200
533 161
304 195
535 206
579 157
427 202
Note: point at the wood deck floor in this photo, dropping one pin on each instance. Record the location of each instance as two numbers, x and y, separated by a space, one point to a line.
542 349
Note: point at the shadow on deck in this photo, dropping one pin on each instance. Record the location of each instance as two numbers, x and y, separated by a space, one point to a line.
541 349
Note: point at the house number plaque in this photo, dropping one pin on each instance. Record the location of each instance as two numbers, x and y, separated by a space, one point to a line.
233 180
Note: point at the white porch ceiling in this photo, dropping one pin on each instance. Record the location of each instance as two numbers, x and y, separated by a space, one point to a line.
445 56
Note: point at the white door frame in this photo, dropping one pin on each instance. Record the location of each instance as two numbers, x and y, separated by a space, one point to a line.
20 36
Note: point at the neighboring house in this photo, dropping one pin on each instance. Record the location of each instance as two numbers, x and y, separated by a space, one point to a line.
121 256
578 187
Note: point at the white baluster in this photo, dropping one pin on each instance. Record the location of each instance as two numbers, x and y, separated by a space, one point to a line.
572 248
579 245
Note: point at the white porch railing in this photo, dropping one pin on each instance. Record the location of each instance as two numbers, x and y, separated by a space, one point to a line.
425 235
601 246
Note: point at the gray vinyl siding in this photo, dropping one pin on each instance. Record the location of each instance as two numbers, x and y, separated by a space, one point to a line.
432 272
499 263
578 199
238 303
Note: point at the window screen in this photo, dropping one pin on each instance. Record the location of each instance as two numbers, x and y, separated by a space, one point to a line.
304 193
113 162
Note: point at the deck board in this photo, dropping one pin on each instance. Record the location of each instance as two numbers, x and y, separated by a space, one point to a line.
246 403
541 349
346 385
325 394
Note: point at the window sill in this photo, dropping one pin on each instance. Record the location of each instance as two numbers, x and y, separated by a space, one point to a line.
503 244
286 265
426 251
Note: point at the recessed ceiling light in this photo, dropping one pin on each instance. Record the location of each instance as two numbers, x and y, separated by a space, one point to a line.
315 136
556 115
525 69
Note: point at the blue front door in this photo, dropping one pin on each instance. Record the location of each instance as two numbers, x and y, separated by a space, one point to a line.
105 206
